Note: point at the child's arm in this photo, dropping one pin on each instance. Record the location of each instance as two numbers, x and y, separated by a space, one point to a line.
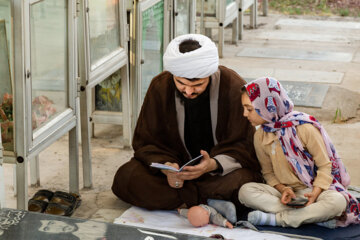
264 159
313 142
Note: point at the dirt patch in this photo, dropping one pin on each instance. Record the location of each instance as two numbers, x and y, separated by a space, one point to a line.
316 7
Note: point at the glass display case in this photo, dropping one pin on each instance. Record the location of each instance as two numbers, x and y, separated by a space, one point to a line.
152 44
104 30
5 15
243 6
6 93
43 56
218 14
103 70
151 35
210 9
49 61
184 15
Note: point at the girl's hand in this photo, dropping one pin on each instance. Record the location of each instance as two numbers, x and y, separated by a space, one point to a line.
287 195
313 195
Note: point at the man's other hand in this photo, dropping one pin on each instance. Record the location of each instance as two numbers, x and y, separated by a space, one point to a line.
173 177
207 164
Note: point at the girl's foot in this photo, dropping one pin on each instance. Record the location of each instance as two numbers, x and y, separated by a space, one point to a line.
262 218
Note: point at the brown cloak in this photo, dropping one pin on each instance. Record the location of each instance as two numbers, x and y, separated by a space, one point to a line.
157 139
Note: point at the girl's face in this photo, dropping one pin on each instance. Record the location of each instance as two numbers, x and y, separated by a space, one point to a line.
249 111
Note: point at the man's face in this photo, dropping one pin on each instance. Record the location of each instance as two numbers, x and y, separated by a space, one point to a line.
191 89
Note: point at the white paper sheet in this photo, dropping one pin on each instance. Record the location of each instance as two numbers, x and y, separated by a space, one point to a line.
173 222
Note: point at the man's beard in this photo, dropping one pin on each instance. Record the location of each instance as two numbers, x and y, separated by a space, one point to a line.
183 98
192 100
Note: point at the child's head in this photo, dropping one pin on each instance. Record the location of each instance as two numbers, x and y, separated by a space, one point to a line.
265 101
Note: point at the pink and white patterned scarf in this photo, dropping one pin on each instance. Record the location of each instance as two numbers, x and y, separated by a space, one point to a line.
272 103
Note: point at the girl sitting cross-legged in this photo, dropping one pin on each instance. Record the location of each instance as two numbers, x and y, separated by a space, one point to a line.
299 162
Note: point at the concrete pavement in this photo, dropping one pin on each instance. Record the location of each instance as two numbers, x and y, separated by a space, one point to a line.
309 49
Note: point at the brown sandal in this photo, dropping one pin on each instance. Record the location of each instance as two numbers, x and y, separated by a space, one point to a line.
63 204
40 200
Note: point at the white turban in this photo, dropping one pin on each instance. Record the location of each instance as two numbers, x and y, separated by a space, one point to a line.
200 63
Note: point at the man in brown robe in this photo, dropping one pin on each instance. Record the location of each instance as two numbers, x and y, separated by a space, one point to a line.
182 116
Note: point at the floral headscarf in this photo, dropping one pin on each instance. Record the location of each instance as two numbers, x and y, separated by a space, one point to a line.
272 103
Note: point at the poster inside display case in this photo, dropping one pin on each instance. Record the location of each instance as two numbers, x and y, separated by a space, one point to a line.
108 94
209 8
49 59
152 44
182 17
104 29
6 96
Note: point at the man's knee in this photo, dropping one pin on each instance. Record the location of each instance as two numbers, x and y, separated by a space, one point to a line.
122 179
135 184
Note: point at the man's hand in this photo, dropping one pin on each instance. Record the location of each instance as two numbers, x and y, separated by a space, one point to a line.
207 164
173 177
313 195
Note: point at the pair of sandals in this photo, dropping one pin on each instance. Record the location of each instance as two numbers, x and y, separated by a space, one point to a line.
56 203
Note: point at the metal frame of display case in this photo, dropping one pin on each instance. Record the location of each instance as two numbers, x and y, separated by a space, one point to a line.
225 14
243 6
91 75
29 144
136 40
191 16
265 6
34 165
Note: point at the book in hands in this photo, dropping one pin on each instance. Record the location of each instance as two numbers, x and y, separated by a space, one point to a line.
192 162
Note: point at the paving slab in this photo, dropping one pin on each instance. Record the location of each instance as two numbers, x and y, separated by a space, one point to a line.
304 36
293 75
318 23
357 57
295 54
308 76
306 94
254 73
337 98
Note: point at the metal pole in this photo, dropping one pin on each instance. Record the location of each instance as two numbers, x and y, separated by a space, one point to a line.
202 24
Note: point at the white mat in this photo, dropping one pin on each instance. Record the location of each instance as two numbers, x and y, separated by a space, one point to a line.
171 221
